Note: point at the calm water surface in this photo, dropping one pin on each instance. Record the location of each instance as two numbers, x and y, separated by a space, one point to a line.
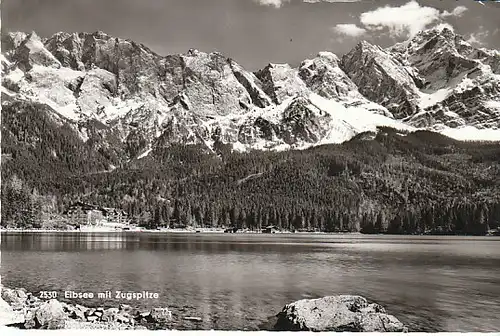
236 281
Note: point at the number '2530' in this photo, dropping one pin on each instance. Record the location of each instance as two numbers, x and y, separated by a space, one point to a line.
48 295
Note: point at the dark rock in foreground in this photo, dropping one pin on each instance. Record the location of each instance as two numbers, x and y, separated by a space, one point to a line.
336 313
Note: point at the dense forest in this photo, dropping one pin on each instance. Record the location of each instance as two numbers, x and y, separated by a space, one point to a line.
387 182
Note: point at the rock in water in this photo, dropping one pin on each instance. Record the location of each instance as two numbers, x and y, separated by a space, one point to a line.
125 308
16 298
161 315
50 315
193 318
8 315
77 313
336 313
110 314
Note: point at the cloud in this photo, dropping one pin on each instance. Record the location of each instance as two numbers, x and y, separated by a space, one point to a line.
279 3
331 1
273 3
409 18
349 29
477 38
458 11
473 39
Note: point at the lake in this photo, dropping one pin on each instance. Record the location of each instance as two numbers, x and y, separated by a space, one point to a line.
236 281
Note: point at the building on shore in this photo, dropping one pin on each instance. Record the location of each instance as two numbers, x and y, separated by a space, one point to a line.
114 215
82 214
270 229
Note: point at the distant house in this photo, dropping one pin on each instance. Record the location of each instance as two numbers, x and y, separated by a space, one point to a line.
80 213
114 215
269 229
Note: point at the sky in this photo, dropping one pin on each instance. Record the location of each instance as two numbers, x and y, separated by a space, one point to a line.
256 32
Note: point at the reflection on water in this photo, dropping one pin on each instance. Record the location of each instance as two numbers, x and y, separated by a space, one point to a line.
237 281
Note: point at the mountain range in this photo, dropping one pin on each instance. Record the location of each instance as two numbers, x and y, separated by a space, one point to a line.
115 92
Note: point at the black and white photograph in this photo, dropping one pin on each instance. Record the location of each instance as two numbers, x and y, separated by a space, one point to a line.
250 165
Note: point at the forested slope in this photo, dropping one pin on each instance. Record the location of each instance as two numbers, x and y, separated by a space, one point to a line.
385 182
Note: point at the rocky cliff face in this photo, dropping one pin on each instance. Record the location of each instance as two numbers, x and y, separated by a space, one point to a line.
280 82
115 92
461 83
382 78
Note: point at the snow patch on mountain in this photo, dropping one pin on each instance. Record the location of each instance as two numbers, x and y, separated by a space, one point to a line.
470 133
430 99
347 122
145 153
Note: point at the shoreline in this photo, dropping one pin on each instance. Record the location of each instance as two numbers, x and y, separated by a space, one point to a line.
109 230
165 230
21 309
221 231
191 230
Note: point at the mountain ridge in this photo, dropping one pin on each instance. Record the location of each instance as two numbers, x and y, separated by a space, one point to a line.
207 96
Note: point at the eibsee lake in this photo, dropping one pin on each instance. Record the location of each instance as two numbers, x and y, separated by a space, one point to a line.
236 281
